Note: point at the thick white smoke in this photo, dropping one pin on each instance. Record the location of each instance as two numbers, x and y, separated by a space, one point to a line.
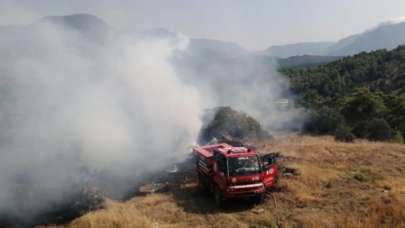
81 102
76 104
247 83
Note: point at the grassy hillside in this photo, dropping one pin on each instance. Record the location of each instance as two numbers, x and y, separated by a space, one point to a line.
359 184
368 87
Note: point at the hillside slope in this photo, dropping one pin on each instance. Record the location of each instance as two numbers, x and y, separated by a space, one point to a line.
306 48
385 36
359 184
366 92
304 61
379 70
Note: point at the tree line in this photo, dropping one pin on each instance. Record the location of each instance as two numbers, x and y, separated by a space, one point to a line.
361 96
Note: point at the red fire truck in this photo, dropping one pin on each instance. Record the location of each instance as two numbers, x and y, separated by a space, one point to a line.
235 172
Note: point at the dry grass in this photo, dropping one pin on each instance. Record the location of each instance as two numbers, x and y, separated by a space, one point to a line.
359 184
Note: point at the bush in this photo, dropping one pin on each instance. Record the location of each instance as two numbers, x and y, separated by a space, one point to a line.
360 129
398 138
379 130
363 105
343 133
324 121
225 123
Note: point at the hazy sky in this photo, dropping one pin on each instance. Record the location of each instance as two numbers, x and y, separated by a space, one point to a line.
255 24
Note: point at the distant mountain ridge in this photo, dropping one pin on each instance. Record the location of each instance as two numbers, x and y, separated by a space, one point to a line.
304 61
93 26
81 21
298 49
201 46
212 47
385 36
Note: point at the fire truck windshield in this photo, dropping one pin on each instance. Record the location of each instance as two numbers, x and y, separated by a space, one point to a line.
243 165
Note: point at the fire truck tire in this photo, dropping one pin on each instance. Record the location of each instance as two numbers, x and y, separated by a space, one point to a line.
201 183
219 201
211 187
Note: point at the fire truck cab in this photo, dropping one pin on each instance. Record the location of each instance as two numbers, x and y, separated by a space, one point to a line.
235 172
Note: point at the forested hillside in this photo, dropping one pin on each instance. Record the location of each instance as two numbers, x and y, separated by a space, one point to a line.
361 96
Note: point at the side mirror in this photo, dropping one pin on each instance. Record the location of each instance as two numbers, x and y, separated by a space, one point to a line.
270 159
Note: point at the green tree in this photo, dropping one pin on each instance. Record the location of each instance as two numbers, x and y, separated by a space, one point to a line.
396 114
398 138
379 129
363 88
363 105
360 129
324 121
343 133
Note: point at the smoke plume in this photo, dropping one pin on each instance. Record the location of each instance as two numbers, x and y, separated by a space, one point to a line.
81 102
77 102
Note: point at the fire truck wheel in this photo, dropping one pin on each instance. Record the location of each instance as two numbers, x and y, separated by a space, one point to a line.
218 197
200 181
202 184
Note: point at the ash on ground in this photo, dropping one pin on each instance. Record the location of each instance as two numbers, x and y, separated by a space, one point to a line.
82 201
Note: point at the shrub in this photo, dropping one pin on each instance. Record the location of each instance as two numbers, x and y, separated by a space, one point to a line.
226 123
343 133
398 138
379 129
363 105
324 121
360 129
